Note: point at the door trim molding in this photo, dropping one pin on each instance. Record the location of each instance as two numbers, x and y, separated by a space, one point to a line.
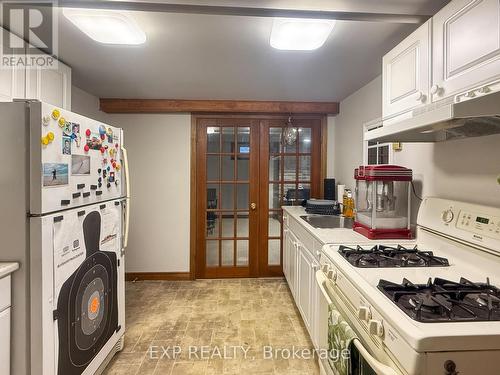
193 177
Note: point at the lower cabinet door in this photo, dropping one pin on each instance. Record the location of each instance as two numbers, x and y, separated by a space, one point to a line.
304 286
5 342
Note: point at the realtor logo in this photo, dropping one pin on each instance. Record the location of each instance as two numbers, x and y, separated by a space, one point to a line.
29 34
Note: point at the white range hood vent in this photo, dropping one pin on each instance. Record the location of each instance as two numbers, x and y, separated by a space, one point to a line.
443 122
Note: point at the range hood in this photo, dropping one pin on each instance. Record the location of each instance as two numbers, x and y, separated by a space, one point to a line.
443 122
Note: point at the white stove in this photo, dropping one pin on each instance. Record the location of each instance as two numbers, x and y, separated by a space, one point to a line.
408 325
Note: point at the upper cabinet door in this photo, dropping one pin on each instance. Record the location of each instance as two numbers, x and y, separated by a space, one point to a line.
52 86
466 48
406 73
12 80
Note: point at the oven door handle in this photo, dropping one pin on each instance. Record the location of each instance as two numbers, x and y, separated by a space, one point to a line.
378 367
321 280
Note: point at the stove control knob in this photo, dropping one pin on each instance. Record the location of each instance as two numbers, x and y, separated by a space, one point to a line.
364 313
447 216
375 327
325 268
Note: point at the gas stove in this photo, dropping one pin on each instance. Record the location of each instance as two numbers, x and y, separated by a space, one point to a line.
445 301
419 305
383 256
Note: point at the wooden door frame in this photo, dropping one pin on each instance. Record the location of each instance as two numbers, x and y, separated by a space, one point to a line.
193 176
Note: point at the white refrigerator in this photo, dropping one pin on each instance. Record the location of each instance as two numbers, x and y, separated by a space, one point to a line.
64 218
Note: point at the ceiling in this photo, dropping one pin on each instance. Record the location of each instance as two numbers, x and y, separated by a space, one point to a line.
190 56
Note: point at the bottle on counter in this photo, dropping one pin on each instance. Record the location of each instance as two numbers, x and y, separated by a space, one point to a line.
349 205
344 201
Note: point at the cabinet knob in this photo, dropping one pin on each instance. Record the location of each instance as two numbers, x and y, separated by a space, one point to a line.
421 97
436 90
484 90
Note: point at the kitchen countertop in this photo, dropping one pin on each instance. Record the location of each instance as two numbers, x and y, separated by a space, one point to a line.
7 268
326 235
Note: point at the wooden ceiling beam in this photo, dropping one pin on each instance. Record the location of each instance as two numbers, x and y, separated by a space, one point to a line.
219 106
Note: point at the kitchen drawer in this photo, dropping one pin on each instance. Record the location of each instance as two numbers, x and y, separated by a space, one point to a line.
5 342
4 293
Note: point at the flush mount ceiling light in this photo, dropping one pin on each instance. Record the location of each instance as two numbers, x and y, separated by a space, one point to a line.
106 26
300 34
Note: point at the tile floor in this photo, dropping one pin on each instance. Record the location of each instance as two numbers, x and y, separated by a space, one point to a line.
211 314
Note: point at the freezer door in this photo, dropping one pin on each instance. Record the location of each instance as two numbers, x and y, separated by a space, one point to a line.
75 161
77 311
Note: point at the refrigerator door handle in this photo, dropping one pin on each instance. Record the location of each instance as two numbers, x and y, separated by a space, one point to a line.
127 202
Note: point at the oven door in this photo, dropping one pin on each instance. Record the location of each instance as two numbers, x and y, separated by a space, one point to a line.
367 363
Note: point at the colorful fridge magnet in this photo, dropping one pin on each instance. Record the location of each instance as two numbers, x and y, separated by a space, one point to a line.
46 120
66 145
94 142
109 133
54 174
111 177
62 122
55 114
49 138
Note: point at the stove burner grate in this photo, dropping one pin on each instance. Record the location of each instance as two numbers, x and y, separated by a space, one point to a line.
380 256
445 301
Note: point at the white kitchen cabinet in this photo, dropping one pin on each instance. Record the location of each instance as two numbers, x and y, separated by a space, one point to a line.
5 342
305 285
51 86
12 81
292 247
466 49
406 73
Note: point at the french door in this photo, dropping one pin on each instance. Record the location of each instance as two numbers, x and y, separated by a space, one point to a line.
244 174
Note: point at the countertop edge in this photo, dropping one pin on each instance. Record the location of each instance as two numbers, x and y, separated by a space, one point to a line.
6 268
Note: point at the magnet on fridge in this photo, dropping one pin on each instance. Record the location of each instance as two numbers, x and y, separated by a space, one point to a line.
99 170
102 130
103 137
117 145
62 122
114 165
55 114
50 136
45 141
109 168
88 133
86 148
46 120
103 150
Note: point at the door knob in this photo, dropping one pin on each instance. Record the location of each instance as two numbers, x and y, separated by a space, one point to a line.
253 206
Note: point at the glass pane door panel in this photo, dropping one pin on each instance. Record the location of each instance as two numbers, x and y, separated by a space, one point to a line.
243 168
242 194
213 139
305 168
290 194
242 224
243 139
274 224
275 140
227 252
275 168
274 196
227 139
227 196
304 140
227 225
213 223
242 252
212 196
290 168
274 252
213 167
228 167
212 251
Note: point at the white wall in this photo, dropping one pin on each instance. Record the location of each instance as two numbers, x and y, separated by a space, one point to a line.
159 149
159 157
86 104
461 170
